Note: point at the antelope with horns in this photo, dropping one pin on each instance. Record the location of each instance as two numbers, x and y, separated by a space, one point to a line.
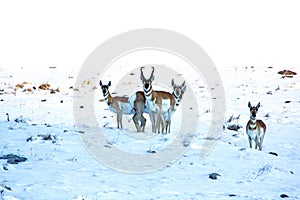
157 102
178 91
255 128
119 105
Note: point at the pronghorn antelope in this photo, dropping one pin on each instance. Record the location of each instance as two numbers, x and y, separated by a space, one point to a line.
178 91
137 102
255 129
157 102
119 105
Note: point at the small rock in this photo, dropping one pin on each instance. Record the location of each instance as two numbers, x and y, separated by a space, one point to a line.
291 172
214 176
269 92
287 73
47 137
232 195
43 100
284 196
44 86
234 127
47 125
273 153
287 101
13 159
29 139
5 167
150 151
107 145
20 119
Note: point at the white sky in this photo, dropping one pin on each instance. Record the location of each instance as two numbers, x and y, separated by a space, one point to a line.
233 33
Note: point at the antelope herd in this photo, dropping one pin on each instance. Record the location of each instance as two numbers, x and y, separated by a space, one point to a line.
160 105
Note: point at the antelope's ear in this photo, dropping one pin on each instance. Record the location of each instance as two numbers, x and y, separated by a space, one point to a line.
151 78
172 82
109 84
258 105
100 83
249 104
184 89
183 84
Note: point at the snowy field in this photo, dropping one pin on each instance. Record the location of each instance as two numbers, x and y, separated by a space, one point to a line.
58 166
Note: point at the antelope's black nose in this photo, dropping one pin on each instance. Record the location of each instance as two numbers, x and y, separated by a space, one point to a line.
147 85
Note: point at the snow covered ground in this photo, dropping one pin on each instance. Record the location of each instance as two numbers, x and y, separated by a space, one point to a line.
58 166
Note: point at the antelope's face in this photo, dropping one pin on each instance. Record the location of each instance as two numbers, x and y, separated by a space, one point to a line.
147 83
105 88
253 110
178 90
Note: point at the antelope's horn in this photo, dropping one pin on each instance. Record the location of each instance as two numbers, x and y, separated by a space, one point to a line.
142 75
152 73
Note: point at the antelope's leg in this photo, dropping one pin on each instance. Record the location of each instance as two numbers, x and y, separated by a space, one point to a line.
260 146
250 142
260 143
256 142
152 119
121 115
136 122
169 123
163 124
143 122
169 126
158 120
118 119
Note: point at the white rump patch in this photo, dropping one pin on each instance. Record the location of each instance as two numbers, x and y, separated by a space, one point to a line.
126 108
131 99
165 105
